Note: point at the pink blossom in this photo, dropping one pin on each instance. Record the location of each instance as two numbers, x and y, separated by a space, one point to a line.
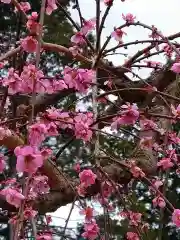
58 85
12 81
87 177
174 138
25 6
77 167
165 163
107 189
51 6
1 65
80 79
4 132
82 130
132 236
137 172
45 236
40 185
118 34
88 26
37 133
46 153
74 50
13 197
129 115
88 212
147 124
6 1
153 64
52 129
157 183
29 73
81 189
154 34
135 218
159 201
32 24
78 38
176 217
129 18
108 2
29 213
168 50
29 44
29 159
48 219
176 67
91 230
176 111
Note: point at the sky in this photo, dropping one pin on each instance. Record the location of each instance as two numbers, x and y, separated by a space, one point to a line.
164 14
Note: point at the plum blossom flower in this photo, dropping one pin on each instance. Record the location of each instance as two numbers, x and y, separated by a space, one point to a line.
29 159
32 24
132 236
12 196
88 212
118 34
45 236
74 50
29 44
176 217
4 132
108 2
51 6
12 81
87 177
77 167
129 115
91 230
78 38
37 134
176 111
88 25
80 79
25 6
176 67
129 18
135 218
174 138
29 213
136 171
159 201
81 189
82 123
165 163
48 219
153 64
40 184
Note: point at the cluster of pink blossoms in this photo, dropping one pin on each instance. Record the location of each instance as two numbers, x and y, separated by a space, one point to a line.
128 116
87 178
25 6
31 79
79 37
91 229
